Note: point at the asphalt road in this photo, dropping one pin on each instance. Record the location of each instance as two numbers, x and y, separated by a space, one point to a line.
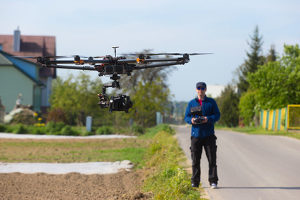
254 167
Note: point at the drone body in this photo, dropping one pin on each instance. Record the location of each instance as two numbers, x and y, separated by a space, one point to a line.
114 66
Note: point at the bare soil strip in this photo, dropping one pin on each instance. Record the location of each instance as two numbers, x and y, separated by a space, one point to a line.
73 186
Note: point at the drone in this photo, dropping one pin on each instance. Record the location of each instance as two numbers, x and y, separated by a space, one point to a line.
114 66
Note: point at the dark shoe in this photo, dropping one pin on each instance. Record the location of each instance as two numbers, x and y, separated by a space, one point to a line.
195 185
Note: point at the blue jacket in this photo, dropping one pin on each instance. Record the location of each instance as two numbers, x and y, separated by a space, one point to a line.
210 110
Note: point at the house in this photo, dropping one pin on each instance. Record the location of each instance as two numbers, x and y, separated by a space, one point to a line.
32 81
19 80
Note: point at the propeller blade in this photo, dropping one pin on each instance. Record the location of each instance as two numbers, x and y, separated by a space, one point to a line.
35 57
167 54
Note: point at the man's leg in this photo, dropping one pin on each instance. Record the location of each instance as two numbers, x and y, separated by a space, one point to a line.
211 154
196 151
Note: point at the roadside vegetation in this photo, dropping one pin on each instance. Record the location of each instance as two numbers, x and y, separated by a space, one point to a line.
167 179
60 128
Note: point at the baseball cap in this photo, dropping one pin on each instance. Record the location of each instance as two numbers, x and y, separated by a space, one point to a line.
201 84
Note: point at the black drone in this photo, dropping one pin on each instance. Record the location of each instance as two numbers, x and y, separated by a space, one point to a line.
114 67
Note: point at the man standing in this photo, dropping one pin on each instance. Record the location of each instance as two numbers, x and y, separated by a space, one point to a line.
202 112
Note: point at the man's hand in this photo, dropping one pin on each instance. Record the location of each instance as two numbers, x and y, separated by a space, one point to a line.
193 120
205 120
202 122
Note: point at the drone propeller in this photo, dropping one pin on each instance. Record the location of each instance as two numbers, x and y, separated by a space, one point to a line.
35 57
48 57
167 54
99 56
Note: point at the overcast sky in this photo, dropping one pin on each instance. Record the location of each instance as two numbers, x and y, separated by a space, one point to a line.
92 27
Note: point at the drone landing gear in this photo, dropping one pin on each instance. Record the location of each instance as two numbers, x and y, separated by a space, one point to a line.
114 103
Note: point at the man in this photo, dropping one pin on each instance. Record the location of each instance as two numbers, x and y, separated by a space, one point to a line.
202 112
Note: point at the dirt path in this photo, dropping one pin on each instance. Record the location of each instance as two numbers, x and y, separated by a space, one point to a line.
123 185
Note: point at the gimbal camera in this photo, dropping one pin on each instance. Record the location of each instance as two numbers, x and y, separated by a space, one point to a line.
114 103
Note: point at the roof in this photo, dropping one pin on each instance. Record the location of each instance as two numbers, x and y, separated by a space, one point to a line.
32 46
4 61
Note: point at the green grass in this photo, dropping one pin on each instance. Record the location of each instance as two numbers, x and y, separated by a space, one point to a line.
261 131
167 179
73 150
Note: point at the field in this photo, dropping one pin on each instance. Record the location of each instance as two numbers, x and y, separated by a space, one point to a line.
157 173
123 185
75 150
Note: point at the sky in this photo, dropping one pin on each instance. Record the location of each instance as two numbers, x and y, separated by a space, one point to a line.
92 27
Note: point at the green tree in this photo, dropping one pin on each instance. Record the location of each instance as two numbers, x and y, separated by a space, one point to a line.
271 57
246 107
277 83
228 105
129 83
150 97
250 65
77 97
149 91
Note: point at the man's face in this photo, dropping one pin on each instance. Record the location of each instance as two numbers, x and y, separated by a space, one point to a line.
201 91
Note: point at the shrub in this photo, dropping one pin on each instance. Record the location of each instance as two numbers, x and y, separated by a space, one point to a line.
247 106
57 115
104 130
167 128
228 105
68 130
38 130
20 129
2 128
137 129
54 127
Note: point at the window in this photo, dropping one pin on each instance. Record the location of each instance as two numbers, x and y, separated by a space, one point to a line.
1 47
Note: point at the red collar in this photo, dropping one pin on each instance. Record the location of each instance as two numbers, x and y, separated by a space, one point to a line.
200 101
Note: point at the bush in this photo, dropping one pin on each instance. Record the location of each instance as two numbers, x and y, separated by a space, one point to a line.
137 129
68 130
228 106
247 107
54 127
38 130
104 130
20 129
167 128
2 128
57 115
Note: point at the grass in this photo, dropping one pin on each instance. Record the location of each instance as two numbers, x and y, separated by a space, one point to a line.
166 178
63 151
261 131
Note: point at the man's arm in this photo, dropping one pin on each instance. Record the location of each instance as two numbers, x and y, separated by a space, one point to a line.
216 113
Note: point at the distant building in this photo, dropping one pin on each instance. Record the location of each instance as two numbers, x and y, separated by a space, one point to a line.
214 90
24 75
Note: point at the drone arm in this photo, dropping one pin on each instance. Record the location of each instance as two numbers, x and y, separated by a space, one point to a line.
72 67
159 65
151 60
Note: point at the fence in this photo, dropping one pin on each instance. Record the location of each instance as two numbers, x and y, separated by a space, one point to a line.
281 119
